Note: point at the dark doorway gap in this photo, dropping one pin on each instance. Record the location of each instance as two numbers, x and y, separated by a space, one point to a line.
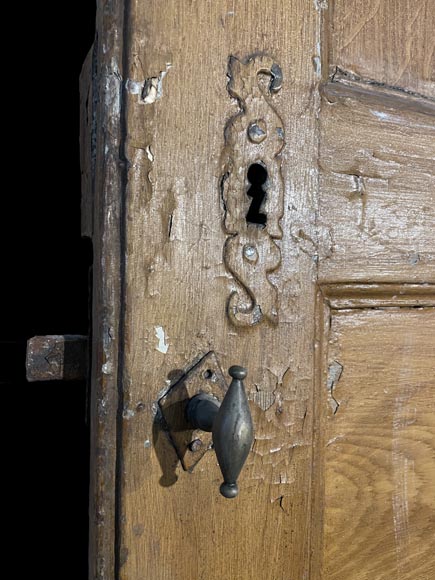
45 272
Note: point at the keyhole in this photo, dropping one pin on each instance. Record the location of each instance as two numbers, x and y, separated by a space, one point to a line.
257 175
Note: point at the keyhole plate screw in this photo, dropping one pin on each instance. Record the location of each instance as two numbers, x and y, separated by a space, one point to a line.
257 131
195 445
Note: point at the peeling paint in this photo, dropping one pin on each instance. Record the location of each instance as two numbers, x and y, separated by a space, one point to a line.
334 373
160 335
317 64
359 184
380 115
153 87
107 368
334 440
264 399
112 88
134 87
148 90
149 153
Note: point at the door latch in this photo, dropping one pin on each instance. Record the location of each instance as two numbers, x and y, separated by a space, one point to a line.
197 406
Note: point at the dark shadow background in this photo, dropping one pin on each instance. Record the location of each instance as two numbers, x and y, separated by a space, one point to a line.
44 274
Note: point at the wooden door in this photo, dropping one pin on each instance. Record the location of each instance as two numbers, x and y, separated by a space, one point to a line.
327 296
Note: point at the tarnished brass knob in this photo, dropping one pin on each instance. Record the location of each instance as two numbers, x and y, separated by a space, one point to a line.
231 425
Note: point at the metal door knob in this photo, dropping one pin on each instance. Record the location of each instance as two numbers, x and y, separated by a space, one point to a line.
231 425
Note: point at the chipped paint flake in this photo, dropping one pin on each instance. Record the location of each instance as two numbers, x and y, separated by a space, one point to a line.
334 373
107 368
134 87
264 399
160 335
381 115
149 153
148 90
153 87
317 64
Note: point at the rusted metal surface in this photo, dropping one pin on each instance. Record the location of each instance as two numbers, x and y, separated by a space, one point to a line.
57 358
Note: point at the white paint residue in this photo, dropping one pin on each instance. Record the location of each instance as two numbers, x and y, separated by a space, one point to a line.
160 335
399 120
317 63
148 90
334 440
153 87
275 449
134 87
107 368
381 115
149 153
282 477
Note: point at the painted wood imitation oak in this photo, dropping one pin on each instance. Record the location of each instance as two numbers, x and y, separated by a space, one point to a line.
329 301
176 281
385 41
379 445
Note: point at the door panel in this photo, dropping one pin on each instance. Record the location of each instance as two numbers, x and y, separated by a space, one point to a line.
377 186
387 41
379 444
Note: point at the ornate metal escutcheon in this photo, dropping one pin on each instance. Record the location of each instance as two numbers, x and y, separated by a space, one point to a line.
254 139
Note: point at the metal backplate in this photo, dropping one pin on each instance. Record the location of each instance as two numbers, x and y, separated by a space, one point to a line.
204 377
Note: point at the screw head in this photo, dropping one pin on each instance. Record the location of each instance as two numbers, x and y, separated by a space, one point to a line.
250 253
257 131
195 445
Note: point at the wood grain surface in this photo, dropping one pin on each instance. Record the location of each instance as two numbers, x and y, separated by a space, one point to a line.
377 201
386 41
379 445
101 86
174 525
